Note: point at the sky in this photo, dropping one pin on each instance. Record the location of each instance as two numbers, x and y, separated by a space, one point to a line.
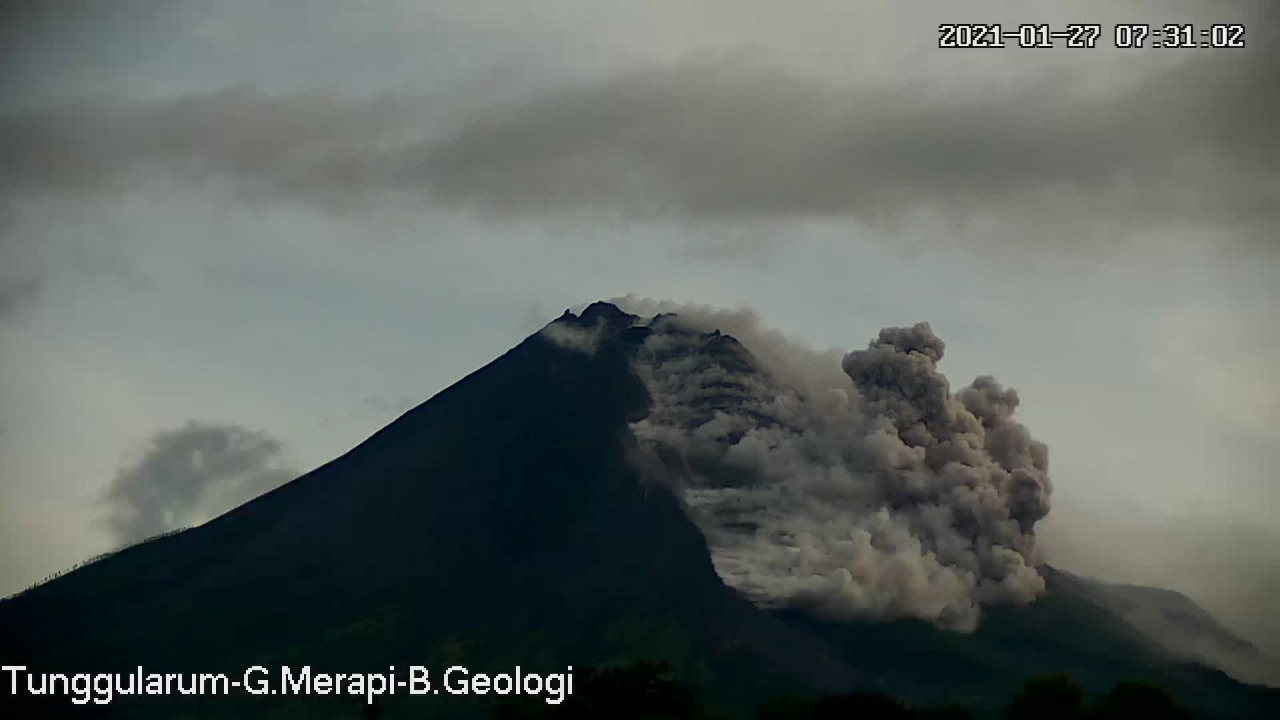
237 238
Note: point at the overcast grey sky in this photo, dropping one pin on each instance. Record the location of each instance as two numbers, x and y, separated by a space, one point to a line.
239 237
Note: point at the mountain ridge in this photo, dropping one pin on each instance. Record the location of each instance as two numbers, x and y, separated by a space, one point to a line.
505 521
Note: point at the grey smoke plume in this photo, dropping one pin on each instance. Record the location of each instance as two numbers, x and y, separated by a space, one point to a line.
16 290
571 337
879 495
190 474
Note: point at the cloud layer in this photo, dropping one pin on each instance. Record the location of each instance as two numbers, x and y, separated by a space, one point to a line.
190 474
1062 158
1052 159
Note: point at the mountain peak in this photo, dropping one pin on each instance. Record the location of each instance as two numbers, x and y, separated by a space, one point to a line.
607 312
629 485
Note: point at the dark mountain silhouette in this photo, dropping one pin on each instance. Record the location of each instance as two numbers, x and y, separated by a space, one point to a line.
505 523
1182 628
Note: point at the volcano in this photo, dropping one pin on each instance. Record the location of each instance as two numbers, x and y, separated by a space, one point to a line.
569 505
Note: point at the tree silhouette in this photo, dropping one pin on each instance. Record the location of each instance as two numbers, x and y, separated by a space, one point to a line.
523 709
1049 697
642 691
946 712
1138 700
648 691
859 705
855 705
785 708
834 707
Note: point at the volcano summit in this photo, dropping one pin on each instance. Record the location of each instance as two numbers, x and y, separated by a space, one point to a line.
632 484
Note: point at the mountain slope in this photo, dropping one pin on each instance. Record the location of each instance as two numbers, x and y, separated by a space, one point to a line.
506 522
1179 626
1065 630
498 523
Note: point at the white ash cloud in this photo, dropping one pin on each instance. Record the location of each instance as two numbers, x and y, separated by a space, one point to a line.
190 474
880 495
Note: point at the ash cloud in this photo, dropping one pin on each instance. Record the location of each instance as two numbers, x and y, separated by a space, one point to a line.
190 474
1061 159
880 496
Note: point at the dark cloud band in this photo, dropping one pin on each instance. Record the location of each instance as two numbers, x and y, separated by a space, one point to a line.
1064 159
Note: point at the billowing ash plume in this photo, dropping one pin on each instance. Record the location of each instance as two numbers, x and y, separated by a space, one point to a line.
876 493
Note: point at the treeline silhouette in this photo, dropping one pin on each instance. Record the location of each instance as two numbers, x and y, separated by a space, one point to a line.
649 691
96 558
